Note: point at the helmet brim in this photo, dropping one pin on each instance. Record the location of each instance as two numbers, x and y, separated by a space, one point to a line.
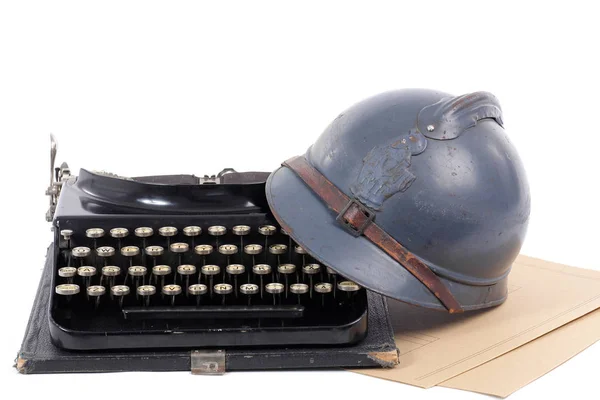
314 227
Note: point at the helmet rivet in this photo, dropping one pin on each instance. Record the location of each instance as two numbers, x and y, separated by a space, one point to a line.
430 128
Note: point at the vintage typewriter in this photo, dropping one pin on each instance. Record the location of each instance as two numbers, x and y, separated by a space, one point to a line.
185 261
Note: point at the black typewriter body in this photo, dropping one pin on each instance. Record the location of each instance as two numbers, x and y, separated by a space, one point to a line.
188 239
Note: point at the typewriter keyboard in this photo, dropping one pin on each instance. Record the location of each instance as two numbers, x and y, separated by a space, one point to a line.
181 286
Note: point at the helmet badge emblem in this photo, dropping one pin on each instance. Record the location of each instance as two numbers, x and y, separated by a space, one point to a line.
386 169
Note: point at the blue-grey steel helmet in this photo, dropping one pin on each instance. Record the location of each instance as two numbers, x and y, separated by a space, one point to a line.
437 173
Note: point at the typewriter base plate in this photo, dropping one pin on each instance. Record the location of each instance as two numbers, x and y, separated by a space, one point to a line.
39 355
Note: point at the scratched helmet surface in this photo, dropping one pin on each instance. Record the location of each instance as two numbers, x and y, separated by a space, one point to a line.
437 173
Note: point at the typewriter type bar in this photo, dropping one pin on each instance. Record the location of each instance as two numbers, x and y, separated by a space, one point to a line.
193 264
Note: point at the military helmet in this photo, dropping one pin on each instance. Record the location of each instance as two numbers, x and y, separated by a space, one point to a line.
415 194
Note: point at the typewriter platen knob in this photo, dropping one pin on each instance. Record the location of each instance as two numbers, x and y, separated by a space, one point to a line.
228 249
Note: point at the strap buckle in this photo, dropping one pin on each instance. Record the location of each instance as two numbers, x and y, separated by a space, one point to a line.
355 231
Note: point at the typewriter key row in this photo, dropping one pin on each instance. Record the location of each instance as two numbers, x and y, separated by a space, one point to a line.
201 294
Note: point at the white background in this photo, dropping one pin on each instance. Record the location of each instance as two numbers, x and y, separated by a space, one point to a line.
179 87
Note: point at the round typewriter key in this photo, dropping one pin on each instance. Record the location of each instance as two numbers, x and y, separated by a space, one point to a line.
119 233
105 252
179 247
286 270
111 272
86 272
162 271
67 272
145 292
228 249
216 231
348 286
299 250
119 291
96 292
192 231
185 271
66 234
154 251
311 270
266 231
171 290
277 249
94 233
203 249
67 289
143 232
168 232
253 250
223 289
261 270
323 288
137 271
275 289
299 289
249 289
234 270
130 251
197 290
210 271
81 253
241 230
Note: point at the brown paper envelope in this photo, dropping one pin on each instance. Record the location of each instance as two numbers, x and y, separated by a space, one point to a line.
517 368
436 346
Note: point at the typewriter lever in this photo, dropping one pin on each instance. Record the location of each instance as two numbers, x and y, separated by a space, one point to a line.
57 177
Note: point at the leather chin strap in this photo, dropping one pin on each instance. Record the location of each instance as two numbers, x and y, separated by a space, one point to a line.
359 220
